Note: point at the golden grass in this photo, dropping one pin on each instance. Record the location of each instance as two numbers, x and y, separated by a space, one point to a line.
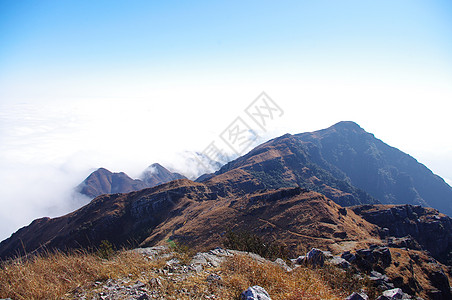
54 275
63 276
303 283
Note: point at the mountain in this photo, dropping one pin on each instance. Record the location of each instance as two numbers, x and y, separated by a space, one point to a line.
155 174
348 165
287 161
103 181
384 172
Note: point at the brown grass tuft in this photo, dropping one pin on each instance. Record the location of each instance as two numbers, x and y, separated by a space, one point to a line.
54 275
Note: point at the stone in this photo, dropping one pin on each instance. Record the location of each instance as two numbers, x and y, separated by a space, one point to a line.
300 260
213 277
315 258
348 256
357 296
212 258
394 294
255 293
280 262
340 262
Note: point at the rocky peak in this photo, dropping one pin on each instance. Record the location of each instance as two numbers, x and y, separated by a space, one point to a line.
156 174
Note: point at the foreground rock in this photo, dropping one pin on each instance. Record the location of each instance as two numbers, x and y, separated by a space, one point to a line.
255 293
393 295
357 296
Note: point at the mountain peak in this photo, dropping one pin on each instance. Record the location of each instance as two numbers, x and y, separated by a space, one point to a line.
156 168
156 174
349 125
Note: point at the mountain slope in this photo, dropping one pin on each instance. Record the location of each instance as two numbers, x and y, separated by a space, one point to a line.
191 213
386 173
286 161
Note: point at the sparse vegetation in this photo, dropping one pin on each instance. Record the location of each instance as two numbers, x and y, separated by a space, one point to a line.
105 250
249 242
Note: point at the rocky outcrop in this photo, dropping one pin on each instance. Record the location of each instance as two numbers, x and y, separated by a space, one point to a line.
429 228
401 273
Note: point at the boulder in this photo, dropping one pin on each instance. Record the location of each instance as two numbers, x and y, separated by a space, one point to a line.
380 280
357 296
394 294
315 258
340 262
348 256
255 293
300 260
280 262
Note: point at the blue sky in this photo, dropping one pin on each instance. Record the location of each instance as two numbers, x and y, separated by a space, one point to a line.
123 84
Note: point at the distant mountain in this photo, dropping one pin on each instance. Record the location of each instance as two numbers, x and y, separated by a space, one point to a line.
103 181
384 172
155 174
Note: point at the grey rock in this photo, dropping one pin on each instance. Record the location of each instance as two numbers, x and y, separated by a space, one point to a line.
340 262
280 262
327 254
151 251
255 293
357 296
348 256
212 258
394 294
195 267
300 260
315 258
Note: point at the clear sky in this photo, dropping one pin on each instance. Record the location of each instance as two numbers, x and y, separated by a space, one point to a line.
123 84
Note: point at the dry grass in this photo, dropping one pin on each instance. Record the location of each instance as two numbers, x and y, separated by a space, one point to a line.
63 276
303 283
55 275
